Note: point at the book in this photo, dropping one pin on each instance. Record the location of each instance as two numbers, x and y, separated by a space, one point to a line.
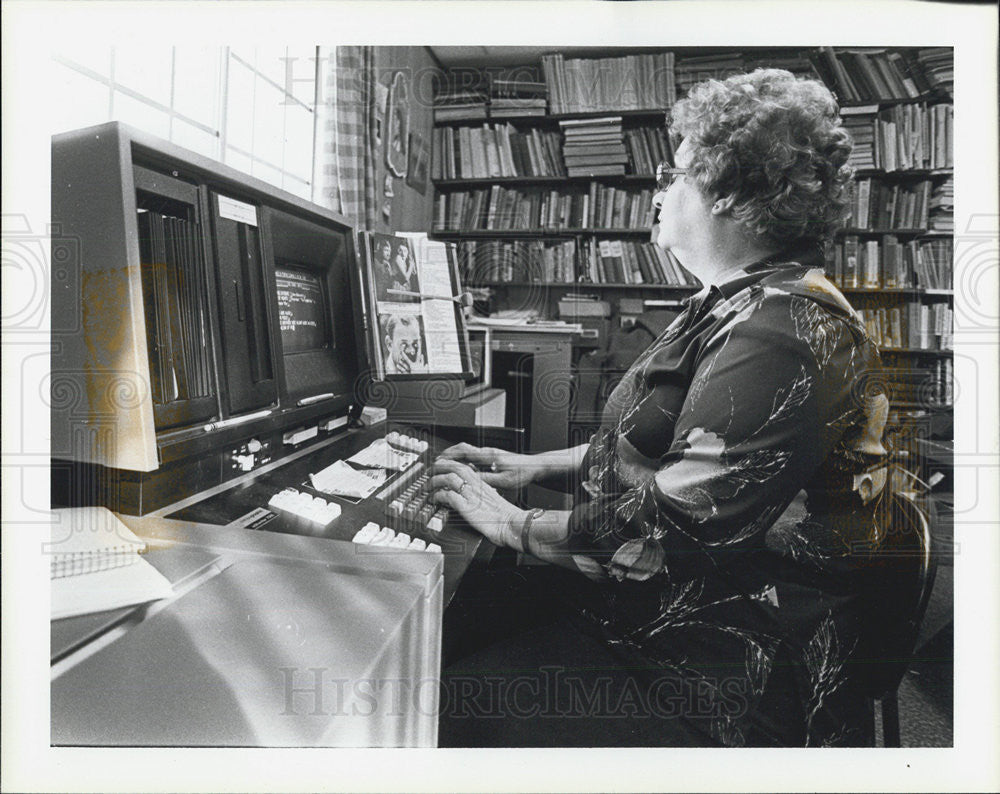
413 295
603 122
95 565
596 159
466 112
851 268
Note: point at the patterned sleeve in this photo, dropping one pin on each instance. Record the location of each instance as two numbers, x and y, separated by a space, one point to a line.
684 489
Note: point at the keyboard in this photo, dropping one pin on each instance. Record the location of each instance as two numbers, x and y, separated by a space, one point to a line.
406 504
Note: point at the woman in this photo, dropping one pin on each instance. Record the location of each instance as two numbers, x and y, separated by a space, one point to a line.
722 540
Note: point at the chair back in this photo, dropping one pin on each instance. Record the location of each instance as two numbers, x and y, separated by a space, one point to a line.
907 562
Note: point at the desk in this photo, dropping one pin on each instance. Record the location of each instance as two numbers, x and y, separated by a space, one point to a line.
232 659
542 359
534 366
272 640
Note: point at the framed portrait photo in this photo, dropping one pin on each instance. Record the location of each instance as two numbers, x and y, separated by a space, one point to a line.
398 127
418 163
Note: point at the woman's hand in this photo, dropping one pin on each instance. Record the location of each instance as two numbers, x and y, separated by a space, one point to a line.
497 467
458 486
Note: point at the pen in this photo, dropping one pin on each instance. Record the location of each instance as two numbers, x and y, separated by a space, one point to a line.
236 420
315 398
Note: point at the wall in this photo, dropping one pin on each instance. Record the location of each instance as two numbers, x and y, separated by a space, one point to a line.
410 209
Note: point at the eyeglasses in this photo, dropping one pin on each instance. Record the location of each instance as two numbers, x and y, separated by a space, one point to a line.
666 174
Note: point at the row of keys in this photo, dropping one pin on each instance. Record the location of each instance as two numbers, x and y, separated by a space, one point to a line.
371 534
402 482
311 508
412 509
404 441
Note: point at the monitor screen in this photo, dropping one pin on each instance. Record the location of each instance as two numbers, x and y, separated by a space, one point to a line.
317 302
302 315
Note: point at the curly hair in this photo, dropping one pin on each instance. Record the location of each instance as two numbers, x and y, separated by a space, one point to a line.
775 143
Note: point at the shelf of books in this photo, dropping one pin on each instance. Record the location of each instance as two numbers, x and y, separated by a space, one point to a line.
587 208
583 260
894 260
540 181
606 146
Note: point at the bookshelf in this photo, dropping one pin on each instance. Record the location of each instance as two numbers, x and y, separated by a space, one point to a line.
545 201
904 148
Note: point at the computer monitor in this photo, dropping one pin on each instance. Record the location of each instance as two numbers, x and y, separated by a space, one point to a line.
316 291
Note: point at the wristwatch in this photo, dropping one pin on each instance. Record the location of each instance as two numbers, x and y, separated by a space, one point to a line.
533 513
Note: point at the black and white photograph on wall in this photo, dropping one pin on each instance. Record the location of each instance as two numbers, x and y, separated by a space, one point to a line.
419 163
705 482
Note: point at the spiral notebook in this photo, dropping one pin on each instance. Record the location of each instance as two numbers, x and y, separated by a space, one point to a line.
95 564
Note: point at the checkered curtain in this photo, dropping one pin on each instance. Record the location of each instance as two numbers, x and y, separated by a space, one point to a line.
345 143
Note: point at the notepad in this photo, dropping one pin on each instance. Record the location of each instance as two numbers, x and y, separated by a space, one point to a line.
95 564
90 539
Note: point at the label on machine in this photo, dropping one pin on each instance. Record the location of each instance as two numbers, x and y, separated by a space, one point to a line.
255 519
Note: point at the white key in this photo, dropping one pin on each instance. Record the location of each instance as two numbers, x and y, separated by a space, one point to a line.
331 512
435 524
383 538
367 533
315 513
417 544
301 504
282 499
325 513
422 446
401 541
434 547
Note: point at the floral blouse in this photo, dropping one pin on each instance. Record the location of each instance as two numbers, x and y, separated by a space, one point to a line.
730 499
